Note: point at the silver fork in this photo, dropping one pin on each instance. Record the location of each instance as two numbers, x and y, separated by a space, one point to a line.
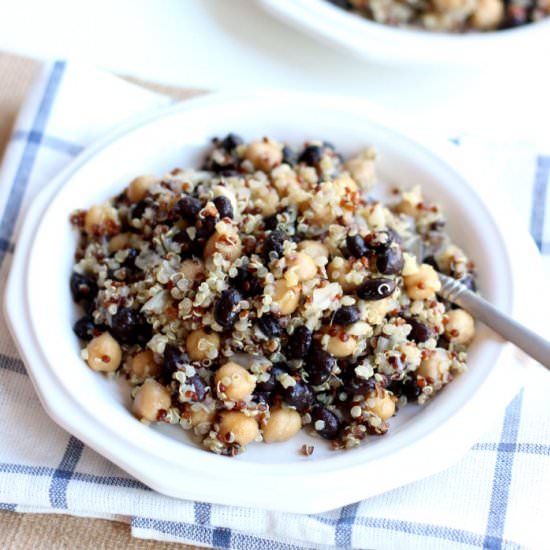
453 290
525 339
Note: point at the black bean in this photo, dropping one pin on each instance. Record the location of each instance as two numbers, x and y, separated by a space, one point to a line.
269 325
380 240
469 282
83 287
396 387
84 328
319 364
356 246
224 207
231 141
174 358
205 227
300 396
89 307
200 387
344 4
411 390
188 246
226 168
443 342
331 424
376 289
438 225
419 332
130 260
271 384
248 284
390 261
225 311
271 222
355 385
264 397
299 342
311 155
346 315
229 173
144 331
128 326
289 156
137 210
273 245
430 260
188 208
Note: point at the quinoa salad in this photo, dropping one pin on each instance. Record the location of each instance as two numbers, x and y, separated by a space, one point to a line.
267 292
450 15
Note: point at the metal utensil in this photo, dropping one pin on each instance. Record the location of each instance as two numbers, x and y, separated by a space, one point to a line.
528 341
453 290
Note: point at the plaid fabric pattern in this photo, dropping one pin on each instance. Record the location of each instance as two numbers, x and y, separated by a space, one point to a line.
496 496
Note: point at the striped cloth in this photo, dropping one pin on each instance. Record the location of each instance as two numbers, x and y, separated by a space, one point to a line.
497 496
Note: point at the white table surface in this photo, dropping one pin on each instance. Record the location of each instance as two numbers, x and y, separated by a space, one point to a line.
234 44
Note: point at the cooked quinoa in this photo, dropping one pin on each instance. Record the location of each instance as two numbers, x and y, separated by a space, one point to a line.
266 292
450 15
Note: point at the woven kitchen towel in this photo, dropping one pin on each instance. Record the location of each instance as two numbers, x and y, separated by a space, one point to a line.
497 496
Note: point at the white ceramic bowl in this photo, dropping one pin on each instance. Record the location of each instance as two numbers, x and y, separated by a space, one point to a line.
386 44
95 409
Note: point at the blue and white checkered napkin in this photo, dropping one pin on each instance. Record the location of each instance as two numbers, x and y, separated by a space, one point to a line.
497 496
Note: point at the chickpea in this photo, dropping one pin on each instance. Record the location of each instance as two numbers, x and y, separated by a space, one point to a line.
283 424
264 155
452 257
435 365
410 266
201 345
339 270
266 199
410 202
100 219
237 382
344 185
139 187
422 284
150 399
104 353
300 267
315 249
199 415
460 327
383 407
342 348
450 5
118 242
143 364
192 270
285 299
362 171
238 428
487 14
228 244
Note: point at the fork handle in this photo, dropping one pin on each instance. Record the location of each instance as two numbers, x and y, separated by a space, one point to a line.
525 339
